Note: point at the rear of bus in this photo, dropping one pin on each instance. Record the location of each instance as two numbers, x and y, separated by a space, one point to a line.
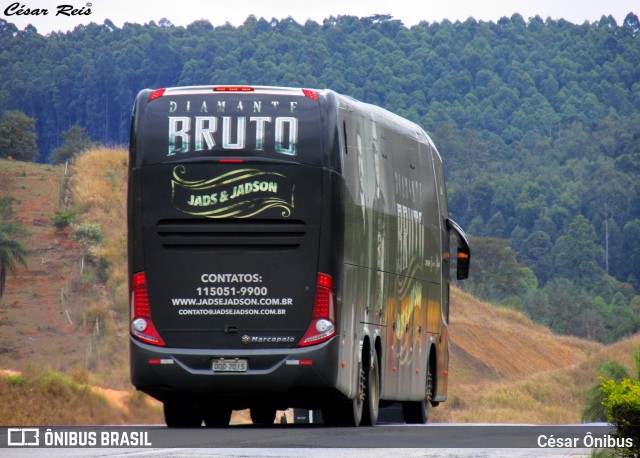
231 195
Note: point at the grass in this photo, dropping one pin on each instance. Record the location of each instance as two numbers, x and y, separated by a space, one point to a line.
54 318
506 369
53 398
98 186
99 189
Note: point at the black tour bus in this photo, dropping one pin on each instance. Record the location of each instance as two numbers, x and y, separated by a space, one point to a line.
287 248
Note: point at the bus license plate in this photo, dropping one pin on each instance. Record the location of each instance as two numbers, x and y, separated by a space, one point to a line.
229 365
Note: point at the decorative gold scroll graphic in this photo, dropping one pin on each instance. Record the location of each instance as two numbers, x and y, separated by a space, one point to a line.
240 193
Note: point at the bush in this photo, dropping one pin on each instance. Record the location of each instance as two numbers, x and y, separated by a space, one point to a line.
63 217
622 401
102 269
75 142
594 409
16 380
88 235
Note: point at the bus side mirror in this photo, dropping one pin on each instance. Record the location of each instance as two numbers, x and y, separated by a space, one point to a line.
463 255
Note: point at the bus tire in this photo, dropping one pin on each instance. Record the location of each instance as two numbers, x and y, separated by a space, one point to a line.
263 415
217 417
347 413
372 390
181 413
417 412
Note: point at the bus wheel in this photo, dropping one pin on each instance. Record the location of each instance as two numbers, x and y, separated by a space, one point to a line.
217 417
263 415
347 413
181 413
372 391
417 412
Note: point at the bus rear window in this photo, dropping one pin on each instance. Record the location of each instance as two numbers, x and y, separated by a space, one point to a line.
228 124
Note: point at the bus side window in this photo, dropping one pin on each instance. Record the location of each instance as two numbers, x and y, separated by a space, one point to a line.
463 254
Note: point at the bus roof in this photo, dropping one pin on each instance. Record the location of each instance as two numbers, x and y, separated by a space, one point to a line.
155 140
266 90
385 117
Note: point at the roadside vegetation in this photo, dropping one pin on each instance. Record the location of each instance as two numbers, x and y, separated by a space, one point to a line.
98 186
615 398
13 253
76 339
622 401
53 398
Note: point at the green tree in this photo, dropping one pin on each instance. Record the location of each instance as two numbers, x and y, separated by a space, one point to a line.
12 252
497 275
610 194
572 311
18 136
75 141
631 250
594 409
620 319
536 254
621 401
577 254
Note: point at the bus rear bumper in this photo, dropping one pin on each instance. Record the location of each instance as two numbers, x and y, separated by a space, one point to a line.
291 377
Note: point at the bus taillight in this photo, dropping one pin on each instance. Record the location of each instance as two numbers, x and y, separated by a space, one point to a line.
233 89
142 327
156 94
313 95
322 325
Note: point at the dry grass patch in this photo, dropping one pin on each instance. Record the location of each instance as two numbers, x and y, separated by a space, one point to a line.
506 342
51 398
506 369
99 189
